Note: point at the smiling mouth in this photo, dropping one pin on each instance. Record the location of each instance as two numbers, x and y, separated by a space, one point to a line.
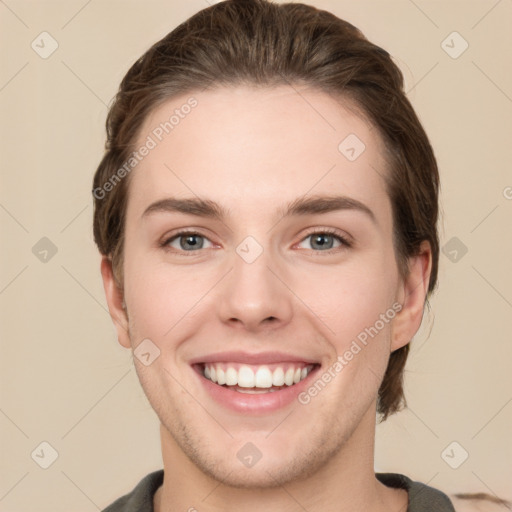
256 379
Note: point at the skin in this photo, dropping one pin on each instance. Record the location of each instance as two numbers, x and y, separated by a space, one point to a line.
253 151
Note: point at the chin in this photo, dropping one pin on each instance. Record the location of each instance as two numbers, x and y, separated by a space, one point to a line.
257 460
263 475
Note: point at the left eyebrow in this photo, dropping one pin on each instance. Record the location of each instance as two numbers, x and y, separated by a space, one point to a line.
325 204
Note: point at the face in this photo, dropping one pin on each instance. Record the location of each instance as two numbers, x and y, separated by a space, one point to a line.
260 276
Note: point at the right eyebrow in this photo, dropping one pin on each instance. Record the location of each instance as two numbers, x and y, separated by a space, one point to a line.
192 206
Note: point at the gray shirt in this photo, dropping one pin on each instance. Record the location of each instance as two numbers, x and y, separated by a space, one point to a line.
422 498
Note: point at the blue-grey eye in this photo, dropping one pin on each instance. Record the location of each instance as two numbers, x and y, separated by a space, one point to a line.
191 241
187 241
324 241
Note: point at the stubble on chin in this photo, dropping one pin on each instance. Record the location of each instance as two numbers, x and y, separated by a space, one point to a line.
306 462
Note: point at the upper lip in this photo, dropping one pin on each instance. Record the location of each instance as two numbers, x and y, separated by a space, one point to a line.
252 358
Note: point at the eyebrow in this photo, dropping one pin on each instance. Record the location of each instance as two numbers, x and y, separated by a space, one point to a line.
300 206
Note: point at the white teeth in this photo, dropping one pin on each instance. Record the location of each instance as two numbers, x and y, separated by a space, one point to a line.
263 378
231 376
278 377
221 377
245 377
256 379
288 376
254 391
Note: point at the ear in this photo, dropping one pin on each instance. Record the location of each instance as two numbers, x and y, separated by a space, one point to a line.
115 301
412 293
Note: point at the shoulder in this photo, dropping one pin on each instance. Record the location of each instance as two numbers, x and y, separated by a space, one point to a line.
479 502
140 499
422 498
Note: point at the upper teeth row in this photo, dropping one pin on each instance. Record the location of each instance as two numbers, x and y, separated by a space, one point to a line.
263 377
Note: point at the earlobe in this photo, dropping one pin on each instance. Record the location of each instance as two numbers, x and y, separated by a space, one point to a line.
115 301
412 296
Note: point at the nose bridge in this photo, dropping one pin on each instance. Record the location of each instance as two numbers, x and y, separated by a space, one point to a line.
253 294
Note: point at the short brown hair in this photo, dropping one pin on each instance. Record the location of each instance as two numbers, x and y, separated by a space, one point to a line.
259 43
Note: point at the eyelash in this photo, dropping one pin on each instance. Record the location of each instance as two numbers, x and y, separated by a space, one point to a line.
345 244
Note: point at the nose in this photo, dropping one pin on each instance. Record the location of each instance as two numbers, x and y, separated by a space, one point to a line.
254 296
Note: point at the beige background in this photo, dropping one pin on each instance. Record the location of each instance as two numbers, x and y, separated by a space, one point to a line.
64 378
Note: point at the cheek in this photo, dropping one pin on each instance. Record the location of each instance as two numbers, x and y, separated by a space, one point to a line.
160 298
352 297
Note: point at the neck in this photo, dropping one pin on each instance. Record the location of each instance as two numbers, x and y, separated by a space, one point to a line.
345 483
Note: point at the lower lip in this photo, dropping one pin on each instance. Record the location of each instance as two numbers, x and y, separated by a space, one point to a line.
257 403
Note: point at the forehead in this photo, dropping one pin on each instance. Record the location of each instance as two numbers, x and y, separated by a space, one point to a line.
250 147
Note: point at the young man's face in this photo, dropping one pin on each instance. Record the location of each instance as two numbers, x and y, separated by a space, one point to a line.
260 297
